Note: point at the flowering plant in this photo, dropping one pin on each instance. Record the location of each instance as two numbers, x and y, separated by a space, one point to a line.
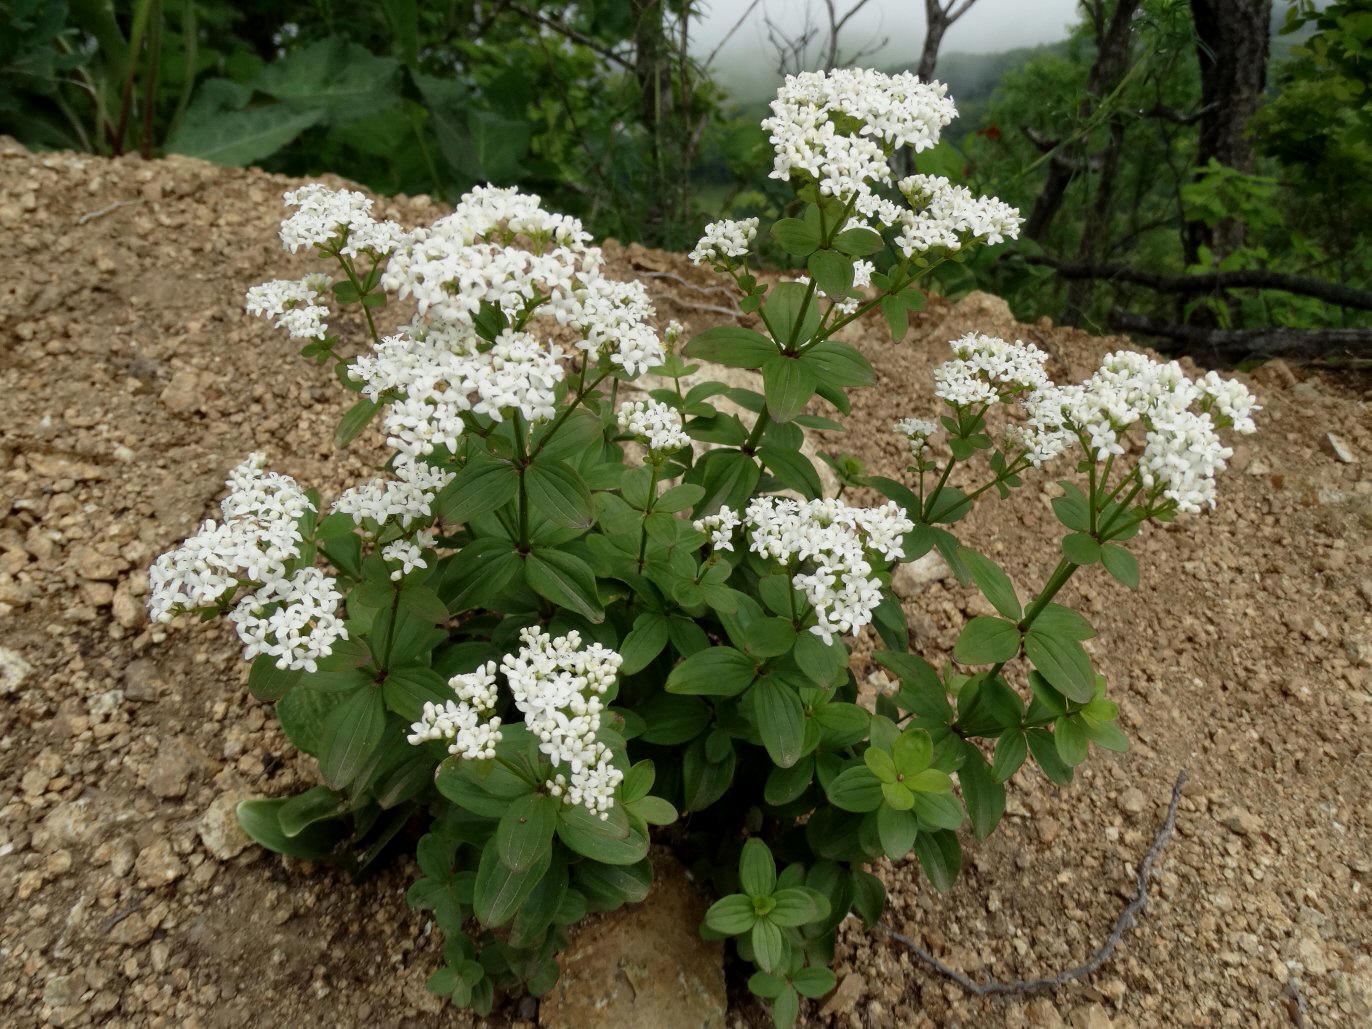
555 620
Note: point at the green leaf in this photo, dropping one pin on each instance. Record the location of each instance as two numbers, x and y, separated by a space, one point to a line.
782 311
1063 662
897 317
354 421
880 763
1121 564
994 584
855 789
526 830
644 642
832 272
982 792
559 494
704 780
500 890
985 640
715 672
795 236
566 580
814 982
407 689
731 915
302 714
797 906
786 784
940 810
788 384
480 487
267 682
767 637
781 720
259 818
615 841
757 872
1045 751
672 719
786 1009
732 346
766 985
823 663
896 830
305 809
728 476
768 947
1081 549
869 897
838 364
858 242
1071 740
1011 750
792 469
351 732
940 856
241 137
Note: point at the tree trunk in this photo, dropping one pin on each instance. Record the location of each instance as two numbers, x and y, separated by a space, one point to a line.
933 38
1232 51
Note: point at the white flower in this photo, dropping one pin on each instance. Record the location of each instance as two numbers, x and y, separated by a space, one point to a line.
724 240
720 526
1229 402
407 498
944 215
559 687
466 722
292 303
657 425
294 620
824 544
916 431
405 553
323 215
1182 453
988 370
259 536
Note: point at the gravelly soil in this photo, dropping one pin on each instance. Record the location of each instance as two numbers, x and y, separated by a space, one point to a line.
130 382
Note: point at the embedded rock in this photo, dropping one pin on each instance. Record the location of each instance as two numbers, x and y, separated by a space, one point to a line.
643 965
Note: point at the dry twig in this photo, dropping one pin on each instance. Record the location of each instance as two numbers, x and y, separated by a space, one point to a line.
1122 924
90 216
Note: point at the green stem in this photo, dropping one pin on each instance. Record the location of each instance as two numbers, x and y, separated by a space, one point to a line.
1012 469
390 634
942 481
351 273
582 391
643 530
1055 582
523 464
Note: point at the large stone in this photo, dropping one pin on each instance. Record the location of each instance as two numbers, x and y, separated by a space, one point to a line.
13 670
219 829
644 965
909 580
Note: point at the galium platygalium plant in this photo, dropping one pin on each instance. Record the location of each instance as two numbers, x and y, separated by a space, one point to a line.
592 591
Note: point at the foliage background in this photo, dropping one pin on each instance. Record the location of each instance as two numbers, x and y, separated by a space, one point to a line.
607 110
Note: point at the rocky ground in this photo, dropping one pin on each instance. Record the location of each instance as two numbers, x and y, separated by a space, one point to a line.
131 381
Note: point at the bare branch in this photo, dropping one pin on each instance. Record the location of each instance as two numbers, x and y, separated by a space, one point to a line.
568 32
730 34
1235 344
1255 278
1122 925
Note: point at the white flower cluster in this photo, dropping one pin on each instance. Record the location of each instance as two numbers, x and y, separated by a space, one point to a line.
988 370
656 424
944 215
724 240
407 498
466 722
1179 417
291 617
839 128
720 526
824 544
292 302
325 216
409 554
559 688
441 373
916 431
498 247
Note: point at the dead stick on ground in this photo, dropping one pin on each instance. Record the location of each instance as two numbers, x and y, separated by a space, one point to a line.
90 216
1122 924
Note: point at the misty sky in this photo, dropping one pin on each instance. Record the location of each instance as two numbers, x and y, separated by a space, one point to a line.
990 25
